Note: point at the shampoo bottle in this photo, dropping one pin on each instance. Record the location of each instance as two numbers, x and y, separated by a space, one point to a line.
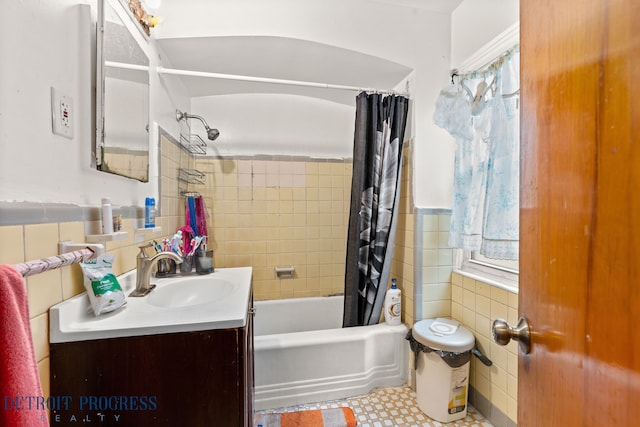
392 307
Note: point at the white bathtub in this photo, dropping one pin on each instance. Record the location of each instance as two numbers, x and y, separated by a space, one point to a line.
303 355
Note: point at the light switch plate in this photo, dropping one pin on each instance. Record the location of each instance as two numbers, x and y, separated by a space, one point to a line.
62 114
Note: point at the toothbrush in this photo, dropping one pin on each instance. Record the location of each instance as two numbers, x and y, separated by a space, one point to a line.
156 246
175 243
193 246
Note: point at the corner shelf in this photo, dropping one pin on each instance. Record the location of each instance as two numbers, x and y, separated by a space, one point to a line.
102 238
144 230
193 143
140 234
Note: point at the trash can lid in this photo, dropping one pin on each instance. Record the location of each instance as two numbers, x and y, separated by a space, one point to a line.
443 334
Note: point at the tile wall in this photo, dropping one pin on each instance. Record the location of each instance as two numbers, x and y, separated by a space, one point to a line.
275 211
19 243
267 212
403 264
436 265
476 304
39 235
445 293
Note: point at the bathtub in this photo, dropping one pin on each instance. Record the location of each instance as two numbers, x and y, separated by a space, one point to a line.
303 355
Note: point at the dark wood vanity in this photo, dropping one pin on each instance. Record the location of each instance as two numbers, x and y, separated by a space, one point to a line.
201 378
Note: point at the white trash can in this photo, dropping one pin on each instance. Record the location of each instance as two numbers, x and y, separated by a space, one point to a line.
442 372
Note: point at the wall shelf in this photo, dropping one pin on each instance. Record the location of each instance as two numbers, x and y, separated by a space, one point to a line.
102 238
193 143
140 234
145 230
192 176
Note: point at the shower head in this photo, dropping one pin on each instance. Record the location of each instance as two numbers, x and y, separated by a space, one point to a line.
212 134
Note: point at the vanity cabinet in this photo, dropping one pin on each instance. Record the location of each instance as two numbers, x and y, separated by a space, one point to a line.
200 378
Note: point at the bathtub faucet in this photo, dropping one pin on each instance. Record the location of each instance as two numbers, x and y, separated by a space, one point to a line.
144 266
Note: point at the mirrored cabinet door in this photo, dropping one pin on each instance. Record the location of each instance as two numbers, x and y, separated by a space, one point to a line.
122 96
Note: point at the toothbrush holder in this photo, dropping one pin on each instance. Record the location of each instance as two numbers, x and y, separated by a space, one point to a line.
204 262
187 265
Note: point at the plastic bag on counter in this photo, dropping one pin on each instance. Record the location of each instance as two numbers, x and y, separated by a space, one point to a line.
103 288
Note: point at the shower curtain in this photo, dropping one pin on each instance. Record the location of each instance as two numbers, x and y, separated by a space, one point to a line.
375 192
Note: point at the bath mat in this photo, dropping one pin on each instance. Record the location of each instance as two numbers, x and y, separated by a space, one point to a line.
338 417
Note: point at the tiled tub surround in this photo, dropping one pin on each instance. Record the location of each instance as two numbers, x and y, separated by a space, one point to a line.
268 212
403 264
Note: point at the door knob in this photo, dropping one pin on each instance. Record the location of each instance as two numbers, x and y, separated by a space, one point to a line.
503 333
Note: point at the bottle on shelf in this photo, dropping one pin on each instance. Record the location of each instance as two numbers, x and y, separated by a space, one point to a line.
107 216
149 212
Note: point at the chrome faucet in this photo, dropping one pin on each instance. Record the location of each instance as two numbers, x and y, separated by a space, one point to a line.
144 266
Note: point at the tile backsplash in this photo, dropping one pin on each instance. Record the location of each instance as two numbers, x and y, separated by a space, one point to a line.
19 243
31 231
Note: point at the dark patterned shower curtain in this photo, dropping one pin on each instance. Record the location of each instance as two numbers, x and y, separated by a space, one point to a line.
375 192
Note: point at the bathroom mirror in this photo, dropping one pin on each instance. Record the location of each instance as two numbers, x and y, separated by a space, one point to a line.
122 93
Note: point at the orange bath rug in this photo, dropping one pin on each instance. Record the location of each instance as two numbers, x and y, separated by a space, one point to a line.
339 417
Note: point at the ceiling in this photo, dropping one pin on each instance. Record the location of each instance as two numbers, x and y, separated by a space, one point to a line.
287 59
435 5
277 58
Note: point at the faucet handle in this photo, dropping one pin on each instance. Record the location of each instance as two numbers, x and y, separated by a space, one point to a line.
143 253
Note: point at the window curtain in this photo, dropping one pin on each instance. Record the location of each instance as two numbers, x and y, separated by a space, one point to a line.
481 113
375 193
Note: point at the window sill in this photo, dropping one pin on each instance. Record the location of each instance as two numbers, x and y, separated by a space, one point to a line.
500 279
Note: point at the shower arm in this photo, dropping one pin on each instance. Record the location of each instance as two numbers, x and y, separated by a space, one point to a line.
212 134
184 116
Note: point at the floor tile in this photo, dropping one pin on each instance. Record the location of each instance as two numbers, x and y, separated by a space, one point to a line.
390 407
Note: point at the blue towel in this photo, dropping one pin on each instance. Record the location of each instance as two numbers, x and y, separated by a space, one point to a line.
191 205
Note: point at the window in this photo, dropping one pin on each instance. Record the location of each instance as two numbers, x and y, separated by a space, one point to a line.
500 273
485 206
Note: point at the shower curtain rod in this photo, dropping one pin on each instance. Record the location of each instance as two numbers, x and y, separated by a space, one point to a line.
487 68
126 66
162 70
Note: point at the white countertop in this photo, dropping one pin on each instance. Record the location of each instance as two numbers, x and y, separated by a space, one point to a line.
73 319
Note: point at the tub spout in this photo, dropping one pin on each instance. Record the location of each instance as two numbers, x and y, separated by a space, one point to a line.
144 266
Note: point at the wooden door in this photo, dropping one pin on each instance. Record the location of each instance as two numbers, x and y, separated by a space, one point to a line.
580 212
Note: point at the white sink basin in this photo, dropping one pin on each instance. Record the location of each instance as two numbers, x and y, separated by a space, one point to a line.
190 291
180 304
